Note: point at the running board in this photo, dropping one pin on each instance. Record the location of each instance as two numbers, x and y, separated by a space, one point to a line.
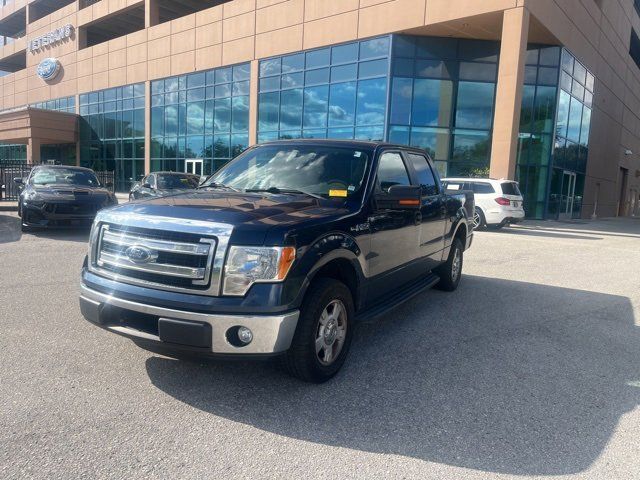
395 300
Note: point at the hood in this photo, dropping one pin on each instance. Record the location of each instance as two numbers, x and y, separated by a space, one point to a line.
251 214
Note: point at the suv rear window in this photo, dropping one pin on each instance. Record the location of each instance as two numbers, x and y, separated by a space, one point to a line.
510 188
482 188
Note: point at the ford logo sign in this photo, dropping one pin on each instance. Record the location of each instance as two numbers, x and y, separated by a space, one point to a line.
140 254
48 68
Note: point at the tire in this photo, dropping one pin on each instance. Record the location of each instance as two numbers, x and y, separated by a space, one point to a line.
303 360
479 220
451 271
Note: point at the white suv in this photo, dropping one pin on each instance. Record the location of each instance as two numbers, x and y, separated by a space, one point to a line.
498 202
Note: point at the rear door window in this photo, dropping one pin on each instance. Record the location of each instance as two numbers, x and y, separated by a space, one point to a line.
426 179
483 188
510 188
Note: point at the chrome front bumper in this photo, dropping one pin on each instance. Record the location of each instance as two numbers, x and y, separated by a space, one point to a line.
271 333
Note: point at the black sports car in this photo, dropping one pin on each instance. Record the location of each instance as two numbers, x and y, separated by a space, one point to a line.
158 184
61 196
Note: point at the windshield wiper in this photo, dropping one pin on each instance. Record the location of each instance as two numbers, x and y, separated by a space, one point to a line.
277 190
216 185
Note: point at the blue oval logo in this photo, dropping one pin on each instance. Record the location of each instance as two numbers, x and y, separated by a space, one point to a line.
49 68
140 254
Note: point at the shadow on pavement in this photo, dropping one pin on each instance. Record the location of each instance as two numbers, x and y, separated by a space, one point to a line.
500 376
9 229
548 234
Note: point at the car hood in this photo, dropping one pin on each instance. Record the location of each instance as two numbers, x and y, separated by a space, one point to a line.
251 214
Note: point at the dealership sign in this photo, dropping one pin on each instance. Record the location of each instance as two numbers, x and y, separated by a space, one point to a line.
51 38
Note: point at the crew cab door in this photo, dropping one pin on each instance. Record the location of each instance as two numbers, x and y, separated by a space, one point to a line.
432 207
394 232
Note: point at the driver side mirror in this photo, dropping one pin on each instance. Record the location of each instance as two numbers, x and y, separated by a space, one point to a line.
146 185
18 181
400 197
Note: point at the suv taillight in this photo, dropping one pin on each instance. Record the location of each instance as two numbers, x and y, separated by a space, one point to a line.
505 202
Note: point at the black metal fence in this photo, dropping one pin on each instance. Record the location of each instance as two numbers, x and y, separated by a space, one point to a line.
10 191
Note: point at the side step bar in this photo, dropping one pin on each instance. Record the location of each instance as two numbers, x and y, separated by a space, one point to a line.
392 302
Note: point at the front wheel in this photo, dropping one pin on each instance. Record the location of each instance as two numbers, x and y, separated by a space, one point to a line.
323 336
451 271
478 219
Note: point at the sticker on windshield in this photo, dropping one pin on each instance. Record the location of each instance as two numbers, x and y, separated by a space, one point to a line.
338 193
351 188
357 154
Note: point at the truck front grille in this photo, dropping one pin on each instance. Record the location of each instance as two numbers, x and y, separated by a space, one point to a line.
155 258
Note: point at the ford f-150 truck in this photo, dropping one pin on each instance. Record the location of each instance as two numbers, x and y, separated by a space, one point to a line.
279 253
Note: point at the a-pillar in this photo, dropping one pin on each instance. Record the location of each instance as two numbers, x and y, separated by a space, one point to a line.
33 151
506 120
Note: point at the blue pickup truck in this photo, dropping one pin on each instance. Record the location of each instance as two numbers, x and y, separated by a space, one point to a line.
279 253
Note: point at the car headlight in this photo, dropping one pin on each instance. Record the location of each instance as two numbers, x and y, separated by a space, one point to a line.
248 265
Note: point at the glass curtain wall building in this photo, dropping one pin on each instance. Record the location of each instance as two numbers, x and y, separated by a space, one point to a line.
202 116
112 132
554 133
13 153
65 104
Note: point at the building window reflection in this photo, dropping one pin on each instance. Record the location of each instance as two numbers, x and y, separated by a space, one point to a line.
442 100
333 92
112 132
203 115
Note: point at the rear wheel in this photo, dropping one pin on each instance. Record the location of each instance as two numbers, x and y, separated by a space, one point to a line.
451 271
323 336
478 219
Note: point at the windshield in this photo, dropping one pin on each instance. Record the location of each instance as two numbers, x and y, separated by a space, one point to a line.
330 172
170 182
64 176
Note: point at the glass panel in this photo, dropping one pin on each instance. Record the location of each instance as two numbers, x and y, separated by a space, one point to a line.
292 80
291 109
344 53
434 140
196 80
399 135
544 110
240 114
475 105
372 97
567 62
526 112
470 153
562 121
240 88
548 76
580 73
342 104
344 72
590 82
401 95
316 104
293 63
370 133
403 67
550 56
270 67
314 77
318 58
222 115
242 72
432 101
485 72
479 50
268 116
575 120
269 84
586 124
434 69
373 68
530 75
377 47
435 47
392 171
224 75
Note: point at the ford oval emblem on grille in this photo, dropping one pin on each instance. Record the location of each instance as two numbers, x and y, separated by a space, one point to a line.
140 254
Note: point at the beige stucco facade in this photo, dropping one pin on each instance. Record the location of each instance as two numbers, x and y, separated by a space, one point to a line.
247 30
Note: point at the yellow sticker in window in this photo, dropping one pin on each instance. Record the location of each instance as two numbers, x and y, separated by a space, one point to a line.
337 193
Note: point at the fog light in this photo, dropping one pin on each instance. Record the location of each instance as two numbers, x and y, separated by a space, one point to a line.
245 335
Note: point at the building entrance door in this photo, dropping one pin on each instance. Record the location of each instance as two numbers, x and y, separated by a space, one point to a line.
568 195
193 166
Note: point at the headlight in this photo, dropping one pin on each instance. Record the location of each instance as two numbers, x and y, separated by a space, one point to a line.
248 265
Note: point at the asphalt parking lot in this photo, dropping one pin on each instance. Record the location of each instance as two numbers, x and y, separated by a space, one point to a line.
530 369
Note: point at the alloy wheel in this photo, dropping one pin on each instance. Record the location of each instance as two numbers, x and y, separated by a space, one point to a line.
331 332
